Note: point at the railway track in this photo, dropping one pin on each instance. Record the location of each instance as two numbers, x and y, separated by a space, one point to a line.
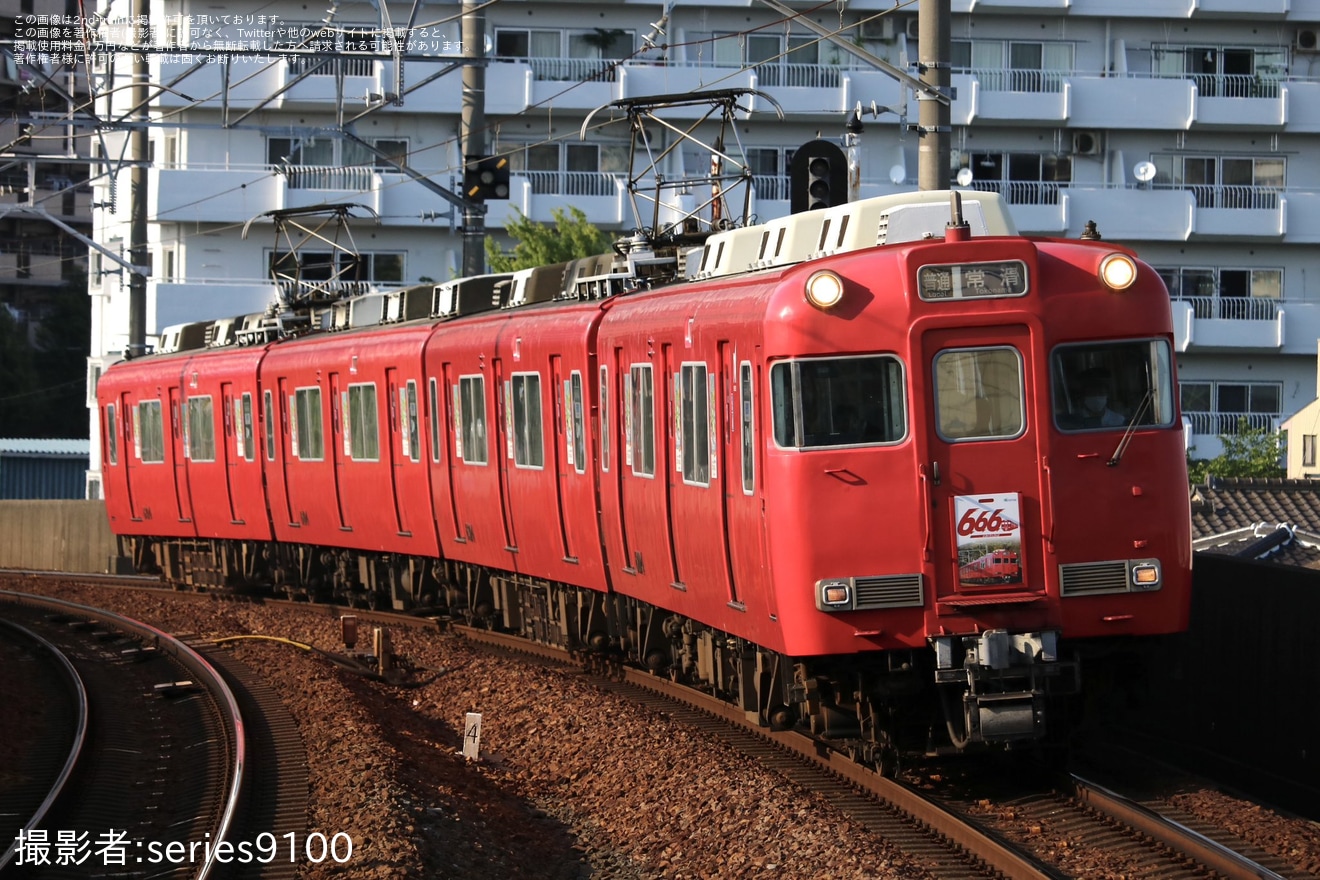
160 772
959 838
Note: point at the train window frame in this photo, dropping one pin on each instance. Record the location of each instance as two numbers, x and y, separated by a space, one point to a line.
641 420
149 432
433 392
605 426
526 414
112 441
409 429
363 428
199 428
1127 382
268 399
787 394
576 442
245 434
692 427
472 436
950 431
747 408
308 436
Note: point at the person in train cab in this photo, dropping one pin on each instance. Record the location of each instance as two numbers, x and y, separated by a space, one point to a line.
1095 412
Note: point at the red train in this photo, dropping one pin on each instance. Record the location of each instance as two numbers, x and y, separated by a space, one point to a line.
995 567
753 463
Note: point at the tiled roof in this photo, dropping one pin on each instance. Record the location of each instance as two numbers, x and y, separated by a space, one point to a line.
1275 520
24 446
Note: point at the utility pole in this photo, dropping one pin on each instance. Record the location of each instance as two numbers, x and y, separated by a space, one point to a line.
934 119
473 133
137 231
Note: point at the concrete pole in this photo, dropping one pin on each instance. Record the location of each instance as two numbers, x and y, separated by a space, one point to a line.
473 131
935 118
137 231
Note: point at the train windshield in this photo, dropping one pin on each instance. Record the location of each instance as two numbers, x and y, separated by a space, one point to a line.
1110 385
838 402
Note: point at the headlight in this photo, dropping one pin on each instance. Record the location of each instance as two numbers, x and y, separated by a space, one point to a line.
824 289
1118 271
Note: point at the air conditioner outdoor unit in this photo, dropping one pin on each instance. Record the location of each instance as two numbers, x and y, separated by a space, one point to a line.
1086 143
881 28
913 28
1306 40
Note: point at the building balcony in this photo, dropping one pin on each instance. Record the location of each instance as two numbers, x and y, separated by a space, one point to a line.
1207 324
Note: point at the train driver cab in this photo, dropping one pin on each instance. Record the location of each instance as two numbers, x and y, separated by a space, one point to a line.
1111 386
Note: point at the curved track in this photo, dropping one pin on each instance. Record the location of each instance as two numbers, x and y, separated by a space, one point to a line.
165 754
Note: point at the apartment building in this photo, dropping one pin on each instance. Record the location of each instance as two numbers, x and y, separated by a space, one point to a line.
1181 127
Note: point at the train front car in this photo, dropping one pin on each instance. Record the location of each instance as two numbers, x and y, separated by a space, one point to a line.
975 470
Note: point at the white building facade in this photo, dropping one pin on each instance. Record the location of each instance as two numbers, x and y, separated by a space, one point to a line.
1059 106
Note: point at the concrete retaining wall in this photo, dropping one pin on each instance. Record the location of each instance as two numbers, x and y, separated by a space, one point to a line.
55 535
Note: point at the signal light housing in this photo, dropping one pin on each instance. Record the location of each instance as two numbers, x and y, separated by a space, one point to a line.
818 177
486 178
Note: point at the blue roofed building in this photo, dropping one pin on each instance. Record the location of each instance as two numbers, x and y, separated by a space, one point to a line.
43 469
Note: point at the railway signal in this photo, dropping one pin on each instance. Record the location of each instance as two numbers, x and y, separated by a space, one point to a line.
818 176
486 177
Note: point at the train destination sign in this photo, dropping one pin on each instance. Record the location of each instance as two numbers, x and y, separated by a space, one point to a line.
965 280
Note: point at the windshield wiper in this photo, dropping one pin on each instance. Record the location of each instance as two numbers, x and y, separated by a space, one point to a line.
1131 429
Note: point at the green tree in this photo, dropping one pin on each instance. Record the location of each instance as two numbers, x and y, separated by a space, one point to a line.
539 244
1251 452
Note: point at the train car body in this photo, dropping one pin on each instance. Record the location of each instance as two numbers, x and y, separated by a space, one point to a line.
843 462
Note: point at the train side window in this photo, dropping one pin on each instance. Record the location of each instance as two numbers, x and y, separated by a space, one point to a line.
269 416
979 394
149 432
471 394
577 424
605 426
528 439
748 428
200 428
849 401
1109 385
308 439
693 436
411 432
249 451
641 408
363 423
111 437
434 392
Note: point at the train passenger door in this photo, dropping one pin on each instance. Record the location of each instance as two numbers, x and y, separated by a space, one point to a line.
178 446
981 469
286 418
403 440
231 450
503 452
339 435
565 456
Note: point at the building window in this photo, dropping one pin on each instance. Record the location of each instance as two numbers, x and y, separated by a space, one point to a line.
838 401
639 429
1216 408
528 441
1223 71
149 432
1229 294
470 401
1021 178
363 423
692 440
200 428
1014 65
566 55
748 428
308 437
1308 450
569 168
1250 182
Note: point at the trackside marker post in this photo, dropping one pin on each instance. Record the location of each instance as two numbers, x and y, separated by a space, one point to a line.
472 736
